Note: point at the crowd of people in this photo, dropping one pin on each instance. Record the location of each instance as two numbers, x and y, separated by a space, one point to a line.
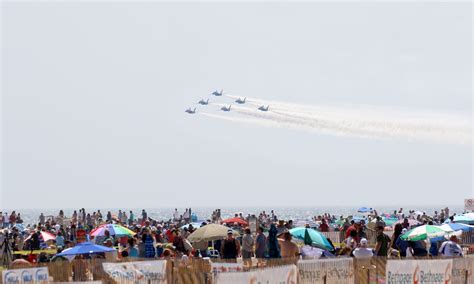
271 238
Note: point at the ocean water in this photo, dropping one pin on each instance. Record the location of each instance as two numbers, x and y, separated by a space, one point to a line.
30 216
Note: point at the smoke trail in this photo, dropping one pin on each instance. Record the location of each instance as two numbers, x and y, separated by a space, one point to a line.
365 121
241 119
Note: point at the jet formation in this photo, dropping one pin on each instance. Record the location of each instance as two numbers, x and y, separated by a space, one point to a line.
225 108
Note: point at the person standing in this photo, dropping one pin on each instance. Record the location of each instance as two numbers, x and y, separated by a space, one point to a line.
131 217
230 249
324 227
260 244
272 244
247 246
124 218
383 242
176 215
41 219
12 218
148 242
451 248
6 220
186 216
351 241
89 221
83 215
120 216
60 240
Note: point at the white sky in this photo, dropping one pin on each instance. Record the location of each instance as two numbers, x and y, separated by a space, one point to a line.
93 99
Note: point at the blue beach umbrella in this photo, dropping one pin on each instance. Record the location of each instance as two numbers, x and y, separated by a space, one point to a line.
465 219
85 248
364 209
311 237
20 227
458 227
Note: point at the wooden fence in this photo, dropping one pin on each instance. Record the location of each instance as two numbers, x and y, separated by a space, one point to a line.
198 271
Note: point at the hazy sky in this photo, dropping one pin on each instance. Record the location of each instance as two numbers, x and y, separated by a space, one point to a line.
94 94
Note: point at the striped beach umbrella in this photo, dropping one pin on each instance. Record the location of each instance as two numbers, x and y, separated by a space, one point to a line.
424 232
114 230
45 236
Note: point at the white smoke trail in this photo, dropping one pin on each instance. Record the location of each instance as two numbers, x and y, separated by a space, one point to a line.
366 121
242 120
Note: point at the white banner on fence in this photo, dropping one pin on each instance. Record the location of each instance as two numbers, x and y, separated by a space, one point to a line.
226 267
275 275
334 270
27 275
137 271
462 269
419 271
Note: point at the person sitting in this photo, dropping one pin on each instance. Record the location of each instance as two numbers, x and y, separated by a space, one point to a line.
451 248
288 247
363 251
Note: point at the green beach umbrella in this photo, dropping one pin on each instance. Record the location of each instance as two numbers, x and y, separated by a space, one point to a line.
389 221
423 232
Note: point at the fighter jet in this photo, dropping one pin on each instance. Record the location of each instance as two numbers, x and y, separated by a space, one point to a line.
240 101
224 108
191 111
263 108
217 94
203 102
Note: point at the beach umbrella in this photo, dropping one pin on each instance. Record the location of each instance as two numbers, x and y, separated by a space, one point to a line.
365 209
357 219
457 227
43 235
311 237
20 227
470 215
390 221
85 248
466 219
211 232
235 220
423 232
114 230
